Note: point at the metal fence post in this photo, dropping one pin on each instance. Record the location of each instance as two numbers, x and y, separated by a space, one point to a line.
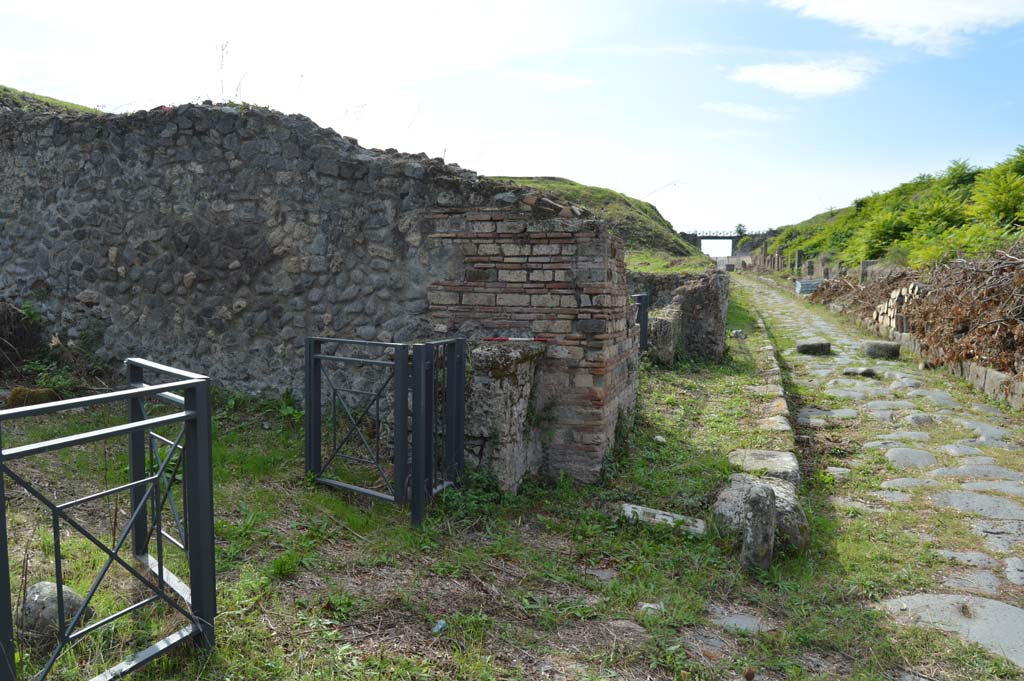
455 409
401 436
313 407
429 423
137 464
8 670
420 415
199 509
644 307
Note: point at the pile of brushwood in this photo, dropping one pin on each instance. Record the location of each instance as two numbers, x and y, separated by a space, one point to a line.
975 311
857 298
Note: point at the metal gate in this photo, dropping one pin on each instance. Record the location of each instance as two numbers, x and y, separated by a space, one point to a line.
155 463
387 416
642 303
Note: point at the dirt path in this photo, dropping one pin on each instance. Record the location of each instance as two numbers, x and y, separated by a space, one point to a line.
919 448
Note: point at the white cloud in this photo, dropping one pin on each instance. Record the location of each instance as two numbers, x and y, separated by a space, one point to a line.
555 81
936 26
747 112
659 50
809 78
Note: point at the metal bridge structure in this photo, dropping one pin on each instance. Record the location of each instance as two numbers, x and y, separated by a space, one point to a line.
720 233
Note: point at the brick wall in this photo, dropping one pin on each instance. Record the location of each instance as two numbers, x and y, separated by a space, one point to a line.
565 280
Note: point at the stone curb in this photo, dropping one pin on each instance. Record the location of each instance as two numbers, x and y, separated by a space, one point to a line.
771 370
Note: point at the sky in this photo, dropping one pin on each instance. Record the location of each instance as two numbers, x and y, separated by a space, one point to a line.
761 112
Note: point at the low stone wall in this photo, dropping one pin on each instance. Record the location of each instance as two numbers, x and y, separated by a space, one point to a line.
692 323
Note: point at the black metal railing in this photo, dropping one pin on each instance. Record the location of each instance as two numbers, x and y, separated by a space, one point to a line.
394 417
155 464
641 302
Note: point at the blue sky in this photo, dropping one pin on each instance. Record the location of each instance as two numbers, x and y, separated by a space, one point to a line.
717 111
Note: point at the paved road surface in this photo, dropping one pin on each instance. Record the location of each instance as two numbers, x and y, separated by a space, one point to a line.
933 439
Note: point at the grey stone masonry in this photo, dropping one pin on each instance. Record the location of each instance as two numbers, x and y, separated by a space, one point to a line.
218 237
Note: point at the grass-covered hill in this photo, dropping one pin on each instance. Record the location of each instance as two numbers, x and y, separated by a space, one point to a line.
962 210
641 226
26 101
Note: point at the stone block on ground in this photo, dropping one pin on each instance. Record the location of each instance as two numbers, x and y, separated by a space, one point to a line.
814 346
498 401
759 534
778 422
998 627
732 618
866 372
772 463
882 350
792 530
908 457
39 615
653 516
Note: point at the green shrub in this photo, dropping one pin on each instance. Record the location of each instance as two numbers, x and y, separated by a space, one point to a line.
54 376
963 210
998 197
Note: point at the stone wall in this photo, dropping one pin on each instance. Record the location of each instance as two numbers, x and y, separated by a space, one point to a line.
216 237
703 301
659 287
663 331
689 317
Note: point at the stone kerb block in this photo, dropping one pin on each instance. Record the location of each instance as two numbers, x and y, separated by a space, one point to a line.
814 346
759 533
782 465
882 350
730 509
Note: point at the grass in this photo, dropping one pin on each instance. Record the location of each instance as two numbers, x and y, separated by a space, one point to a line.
318 584
661 262
27 101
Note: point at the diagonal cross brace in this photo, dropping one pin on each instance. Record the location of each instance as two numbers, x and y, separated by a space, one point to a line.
354 427
112 554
